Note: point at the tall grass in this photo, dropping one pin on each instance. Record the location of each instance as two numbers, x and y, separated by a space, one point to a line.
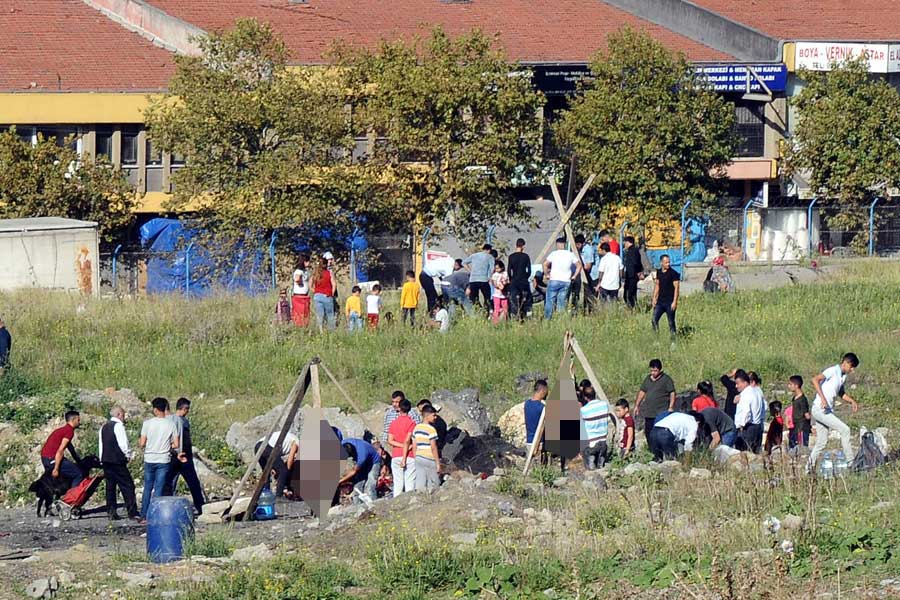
228 347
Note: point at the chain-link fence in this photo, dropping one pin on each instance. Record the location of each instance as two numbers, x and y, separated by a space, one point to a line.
133 270
791 232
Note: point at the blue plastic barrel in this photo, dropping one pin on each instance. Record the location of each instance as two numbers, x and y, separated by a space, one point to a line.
170 521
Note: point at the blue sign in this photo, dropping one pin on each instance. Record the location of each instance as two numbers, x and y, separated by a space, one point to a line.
734 78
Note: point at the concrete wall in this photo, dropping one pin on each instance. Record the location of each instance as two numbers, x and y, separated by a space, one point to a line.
712 29
151 22
53 259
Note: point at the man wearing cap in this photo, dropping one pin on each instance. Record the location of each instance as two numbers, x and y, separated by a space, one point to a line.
5 346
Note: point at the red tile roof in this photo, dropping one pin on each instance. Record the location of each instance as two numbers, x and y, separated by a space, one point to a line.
67 45
530 30
869 20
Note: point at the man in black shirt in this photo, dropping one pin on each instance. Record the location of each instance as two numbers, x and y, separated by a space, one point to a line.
665 294
634 270
185 467
731 392
657 395
721 426
519 272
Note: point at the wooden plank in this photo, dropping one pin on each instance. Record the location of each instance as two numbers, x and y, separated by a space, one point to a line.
568 215
292 395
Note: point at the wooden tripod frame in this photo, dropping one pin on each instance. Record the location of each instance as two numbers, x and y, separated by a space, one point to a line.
307 381
571 351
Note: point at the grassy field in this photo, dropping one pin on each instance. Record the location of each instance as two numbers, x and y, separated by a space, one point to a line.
227 347
650 537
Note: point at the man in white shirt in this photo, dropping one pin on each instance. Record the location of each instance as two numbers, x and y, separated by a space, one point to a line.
284 462
828 386
750 413
673 434
114 456
560 265
610 271
158 439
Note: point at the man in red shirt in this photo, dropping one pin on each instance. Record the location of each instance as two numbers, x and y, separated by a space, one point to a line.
55 447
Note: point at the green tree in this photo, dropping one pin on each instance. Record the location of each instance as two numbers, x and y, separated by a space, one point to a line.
48 180
846 142
653 131
265 145
456 127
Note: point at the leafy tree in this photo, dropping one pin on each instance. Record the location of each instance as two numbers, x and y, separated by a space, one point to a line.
265 145
456 127
48 180
650 128
846 142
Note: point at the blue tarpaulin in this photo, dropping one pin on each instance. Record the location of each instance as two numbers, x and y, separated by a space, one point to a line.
244 267
242 270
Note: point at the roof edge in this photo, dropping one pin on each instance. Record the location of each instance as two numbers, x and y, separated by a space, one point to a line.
706 27
161 28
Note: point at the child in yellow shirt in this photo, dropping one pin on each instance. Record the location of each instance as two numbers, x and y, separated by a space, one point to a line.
353 310
409 298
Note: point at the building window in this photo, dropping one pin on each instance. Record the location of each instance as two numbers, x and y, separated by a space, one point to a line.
103 144
750 128
130 145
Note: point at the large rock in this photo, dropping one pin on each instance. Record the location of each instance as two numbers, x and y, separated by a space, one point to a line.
242 437
464 410
128 400
512 425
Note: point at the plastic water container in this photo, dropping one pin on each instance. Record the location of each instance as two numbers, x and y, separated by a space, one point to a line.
170 522
826 466
265 506
840 464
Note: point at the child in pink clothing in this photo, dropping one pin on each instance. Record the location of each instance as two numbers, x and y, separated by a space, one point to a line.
501 302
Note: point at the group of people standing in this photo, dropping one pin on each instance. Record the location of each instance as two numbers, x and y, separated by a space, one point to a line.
567 280
740 423
165 439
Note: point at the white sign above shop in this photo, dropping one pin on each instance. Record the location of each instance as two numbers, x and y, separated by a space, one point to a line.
821 56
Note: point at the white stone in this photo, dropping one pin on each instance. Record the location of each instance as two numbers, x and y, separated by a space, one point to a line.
251 553
697 473
142 579
39 588
792 522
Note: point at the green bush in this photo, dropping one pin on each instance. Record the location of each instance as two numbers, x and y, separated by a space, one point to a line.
602 518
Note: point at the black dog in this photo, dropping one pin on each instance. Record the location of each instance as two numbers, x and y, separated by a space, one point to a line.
49 489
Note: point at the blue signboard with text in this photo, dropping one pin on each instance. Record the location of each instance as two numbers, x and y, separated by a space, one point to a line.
734 78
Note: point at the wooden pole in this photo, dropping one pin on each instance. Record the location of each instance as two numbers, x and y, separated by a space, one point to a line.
296 399
595 381
291 397
568 228
565 219
314 384
539 432
342 390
